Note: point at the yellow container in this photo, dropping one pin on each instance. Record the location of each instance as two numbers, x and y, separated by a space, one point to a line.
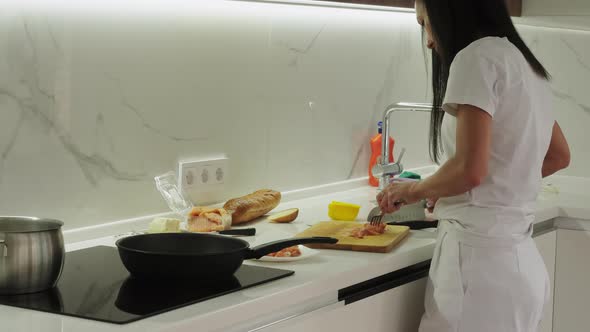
343 211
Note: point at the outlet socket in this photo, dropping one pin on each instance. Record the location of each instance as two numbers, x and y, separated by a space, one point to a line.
203 180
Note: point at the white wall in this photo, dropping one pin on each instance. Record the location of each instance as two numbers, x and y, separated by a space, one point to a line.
96 101
553 7
566 55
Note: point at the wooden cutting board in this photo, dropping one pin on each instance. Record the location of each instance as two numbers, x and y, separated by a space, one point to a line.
341 229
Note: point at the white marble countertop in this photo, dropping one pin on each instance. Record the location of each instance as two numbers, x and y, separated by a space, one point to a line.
316 280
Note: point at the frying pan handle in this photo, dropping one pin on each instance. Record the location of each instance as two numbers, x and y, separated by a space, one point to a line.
265 249
243 231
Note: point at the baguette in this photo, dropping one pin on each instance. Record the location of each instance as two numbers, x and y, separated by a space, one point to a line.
249 207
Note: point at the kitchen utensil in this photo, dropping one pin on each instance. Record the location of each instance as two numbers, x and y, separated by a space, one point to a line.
31 254
416 224
237 232
341 230
415 211
377 215
194 256
376 219
343 211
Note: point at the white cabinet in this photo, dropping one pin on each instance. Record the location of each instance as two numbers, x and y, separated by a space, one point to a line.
547 244
400 309
396 310
572 294
556 8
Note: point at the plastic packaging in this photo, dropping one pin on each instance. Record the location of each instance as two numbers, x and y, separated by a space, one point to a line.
167 185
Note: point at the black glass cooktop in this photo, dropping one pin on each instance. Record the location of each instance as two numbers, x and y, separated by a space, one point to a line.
95 285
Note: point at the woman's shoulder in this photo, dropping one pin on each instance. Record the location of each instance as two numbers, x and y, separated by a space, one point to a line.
489 48
494 49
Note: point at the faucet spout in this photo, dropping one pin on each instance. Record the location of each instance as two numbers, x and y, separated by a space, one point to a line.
384 168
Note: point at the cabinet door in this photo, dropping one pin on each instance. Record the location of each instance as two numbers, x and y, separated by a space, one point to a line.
396 310
572 294
546 244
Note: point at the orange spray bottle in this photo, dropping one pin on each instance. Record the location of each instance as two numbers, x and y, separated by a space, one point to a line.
376 153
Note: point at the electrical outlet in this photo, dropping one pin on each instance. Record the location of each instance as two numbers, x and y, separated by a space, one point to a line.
204 175
203 180
220 173
189 177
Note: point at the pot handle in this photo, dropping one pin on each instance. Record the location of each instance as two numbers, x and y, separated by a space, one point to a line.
275 246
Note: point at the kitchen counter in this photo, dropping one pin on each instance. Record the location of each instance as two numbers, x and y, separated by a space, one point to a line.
317 279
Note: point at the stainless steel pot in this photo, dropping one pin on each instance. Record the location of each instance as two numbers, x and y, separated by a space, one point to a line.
31 254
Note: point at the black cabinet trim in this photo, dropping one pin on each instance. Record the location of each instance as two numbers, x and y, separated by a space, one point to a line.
383 283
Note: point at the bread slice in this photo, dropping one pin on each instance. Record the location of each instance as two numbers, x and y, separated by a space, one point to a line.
249 207
284 216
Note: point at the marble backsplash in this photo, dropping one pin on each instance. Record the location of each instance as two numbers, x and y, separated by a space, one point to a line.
95 103
566 55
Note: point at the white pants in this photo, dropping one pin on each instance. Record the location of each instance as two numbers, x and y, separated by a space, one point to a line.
479 283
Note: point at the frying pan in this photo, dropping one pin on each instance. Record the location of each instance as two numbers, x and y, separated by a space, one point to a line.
194 256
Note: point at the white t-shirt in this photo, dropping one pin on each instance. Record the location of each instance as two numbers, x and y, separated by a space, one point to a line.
492 74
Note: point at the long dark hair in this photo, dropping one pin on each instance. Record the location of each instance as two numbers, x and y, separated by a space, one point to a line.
456 24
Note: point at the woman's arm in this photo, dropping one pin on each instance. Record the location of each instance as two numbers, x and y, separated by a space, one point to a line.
463 172
467 169
558 155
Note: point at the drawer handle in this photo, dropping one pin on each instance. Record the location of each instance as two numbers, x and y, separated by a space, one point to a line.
4 249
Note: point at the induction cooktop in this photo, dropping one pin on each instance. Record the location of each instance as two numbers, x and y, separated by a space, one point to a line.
95 285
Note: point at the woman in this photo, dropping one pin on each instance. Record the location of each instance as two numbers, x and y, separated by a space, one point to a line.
494 129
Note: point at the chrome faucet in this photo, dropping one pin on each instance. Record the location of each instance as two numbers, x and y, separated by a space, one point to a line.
384 169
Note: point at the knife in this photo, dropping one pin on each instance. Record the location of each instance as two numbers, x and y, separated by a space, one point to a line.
415 224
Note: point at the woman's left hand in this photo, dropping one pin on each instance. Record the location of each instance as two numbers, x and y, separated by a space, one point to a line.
394 196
